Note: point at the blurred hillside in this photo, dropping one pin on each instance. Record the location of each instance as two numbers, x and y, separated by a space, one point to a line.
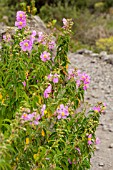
93 19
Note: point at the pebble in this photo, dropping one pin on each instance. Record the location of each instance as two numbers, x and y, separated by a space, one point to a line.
111 145
105 128
110 130
97 148
101 164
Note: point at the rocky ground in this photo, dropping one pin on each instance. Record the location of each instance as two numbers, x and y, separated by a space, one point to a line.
100 89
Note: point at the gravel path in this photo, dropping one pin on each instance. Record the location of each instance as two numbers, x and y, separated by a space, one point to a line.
100 90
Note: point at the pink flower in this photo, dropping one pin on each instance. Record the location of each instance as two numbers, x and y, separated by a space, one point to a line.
96 109
62 112
20 24
27 117
50 76
51 45
78 149
21 19
43 109
55 78
24 83
40 37
36 121
97 141
69 161
47 91
32 37
89 139
26 45
20 16
45 56
65 23
71 74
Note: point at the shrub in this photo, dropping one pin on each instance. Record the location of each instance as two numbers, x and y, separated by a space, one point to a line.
105 44
40 125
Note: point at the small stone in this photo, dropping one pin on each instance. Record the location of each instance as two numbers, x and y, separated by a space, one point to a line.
97 148
94 55
110 130
111 145
93 61
101 164
105 128
102 53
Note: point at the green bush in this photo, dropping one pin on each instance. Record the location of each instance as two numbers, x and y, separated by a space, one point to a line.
40 125
105 44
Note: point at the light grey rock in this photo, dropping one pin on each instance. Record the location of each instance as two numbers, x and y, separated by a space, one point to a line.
101 164
108 59
35 23
94 55
84 51
102 54
111 145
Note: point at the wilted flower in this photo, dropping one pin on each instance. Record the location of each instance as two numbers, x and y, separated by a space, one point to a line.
26 45
45 56
7 37
47 91
51 45
62 112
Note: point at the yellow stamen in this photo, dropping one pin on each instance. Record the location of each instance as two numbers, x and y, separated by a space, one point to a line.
27 141
45 56
63 114
0 96
21 15
89 138
20 23
25 115
26 44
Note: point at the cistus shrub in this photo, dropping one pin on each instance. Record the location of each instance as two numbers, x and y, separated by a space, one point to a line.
45 122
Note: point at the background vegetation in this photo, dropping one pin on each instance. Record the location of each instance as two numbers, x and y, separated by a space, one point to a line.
93 18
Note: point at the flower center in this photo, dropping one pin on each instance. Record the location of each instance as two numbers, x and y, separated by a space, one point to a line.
25 115
21 15
20 23
26 44
63 114
45 56
89 138
96 110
